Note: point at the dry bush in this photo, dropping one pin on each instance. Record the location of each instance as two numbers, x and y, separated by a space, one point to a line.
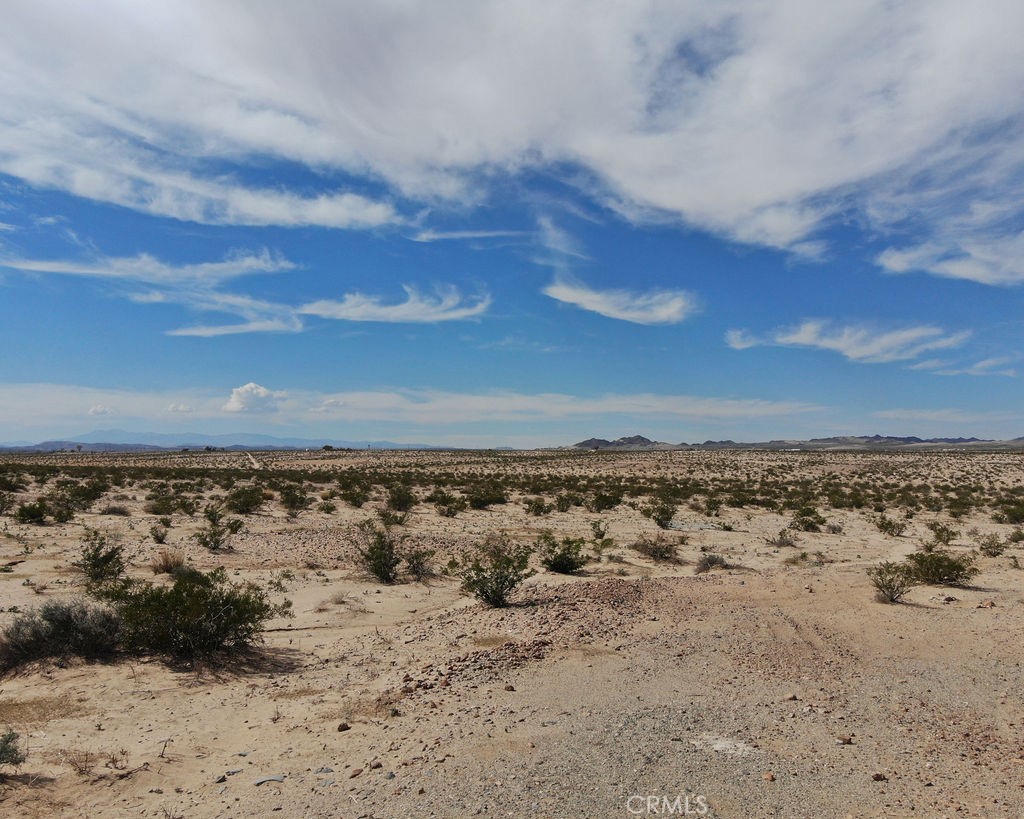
167 561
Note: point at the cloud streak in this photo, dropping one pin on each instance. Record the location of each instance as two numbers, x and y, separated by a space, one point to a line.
860 343
650 307
447 304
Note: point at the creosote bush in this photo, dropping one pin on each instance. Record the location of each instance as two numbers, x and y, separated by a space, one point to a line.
60 629
216 535
101 562
565 557
707 562
10 751
892 581
942 568
200 615
494 570
889 526
378 551
657 548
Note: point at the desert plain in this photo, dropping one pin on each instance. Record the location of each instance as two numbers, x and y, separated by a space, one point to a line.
766 682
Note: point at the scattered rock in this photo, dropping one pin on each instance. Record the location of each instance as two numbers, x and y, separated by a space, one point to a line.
844 740
344 727
879 777
511 687
987 604
355 773
274 778
768 776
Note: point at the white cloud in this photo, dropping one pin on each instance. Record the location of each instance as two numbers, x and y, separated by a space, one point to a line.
99 409
856 342
987 366
759 121
184 409
462 235
252 397
651 307
447 304
947 415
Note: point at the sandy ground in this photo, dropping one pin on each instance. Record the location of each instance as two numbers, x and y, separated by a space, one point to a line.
634 689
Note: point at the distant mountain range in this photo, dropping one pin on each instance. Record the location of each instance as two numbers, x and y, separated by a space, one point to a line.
638 443
119 440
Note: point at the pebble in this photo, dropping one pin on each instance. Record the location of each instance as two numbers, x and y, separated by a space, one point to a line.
344 727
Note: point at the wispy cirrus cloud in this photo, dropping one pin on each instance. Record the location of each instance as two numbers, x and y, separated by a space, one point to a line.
997 365
861 343
649 307
446 304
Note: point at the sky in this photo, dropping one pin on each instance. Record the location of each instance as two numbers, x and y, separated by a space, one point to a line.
512 224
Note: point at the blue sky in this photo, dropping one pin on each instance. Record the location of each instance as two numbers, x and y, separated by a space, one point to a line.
512 224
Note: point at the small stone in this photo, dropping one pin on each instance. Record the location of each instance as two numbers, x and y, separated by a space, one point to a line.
844 740
791 698
510 687
355 773
344 727
768 776
879 777
376 764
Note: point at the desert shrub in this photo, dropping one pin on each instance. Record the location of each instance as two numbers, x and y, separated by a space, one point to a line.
942 535
293 497
602 500
657 548
537 506
6 502
158 533
34 513
892 581
245 500
326 507
167 561
217 533
834 528
484 495
889 526
418 563
565 557
378 551
807 519
447 504
785 538
389 517
707 562
119 511
990 545
494 570
563 503
355 494
660 511
1015 536
59 629
10 751
401 498
797 559
101 562
198 616
942 568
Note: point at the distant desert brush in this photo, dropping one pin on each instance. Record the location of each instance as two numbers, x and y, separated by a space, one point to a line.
167 561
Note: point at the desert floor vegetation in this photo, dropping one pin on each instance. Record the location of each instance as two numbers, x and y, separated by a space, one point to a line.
449 633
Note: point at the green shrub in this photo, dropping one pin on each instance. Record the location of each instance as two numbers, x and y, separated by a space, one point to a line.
293 497
495 570
707 562
990 545
59 629
564 558
657 548
245 500
378 551
34 513
102 563
120 511
942 568
418 563
401 498
661 512
10 752
6 502
892 580
602 500
889 526
158 533
784 539
326 507
942 535
807 519
537 506
198 616
216 535
480 497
